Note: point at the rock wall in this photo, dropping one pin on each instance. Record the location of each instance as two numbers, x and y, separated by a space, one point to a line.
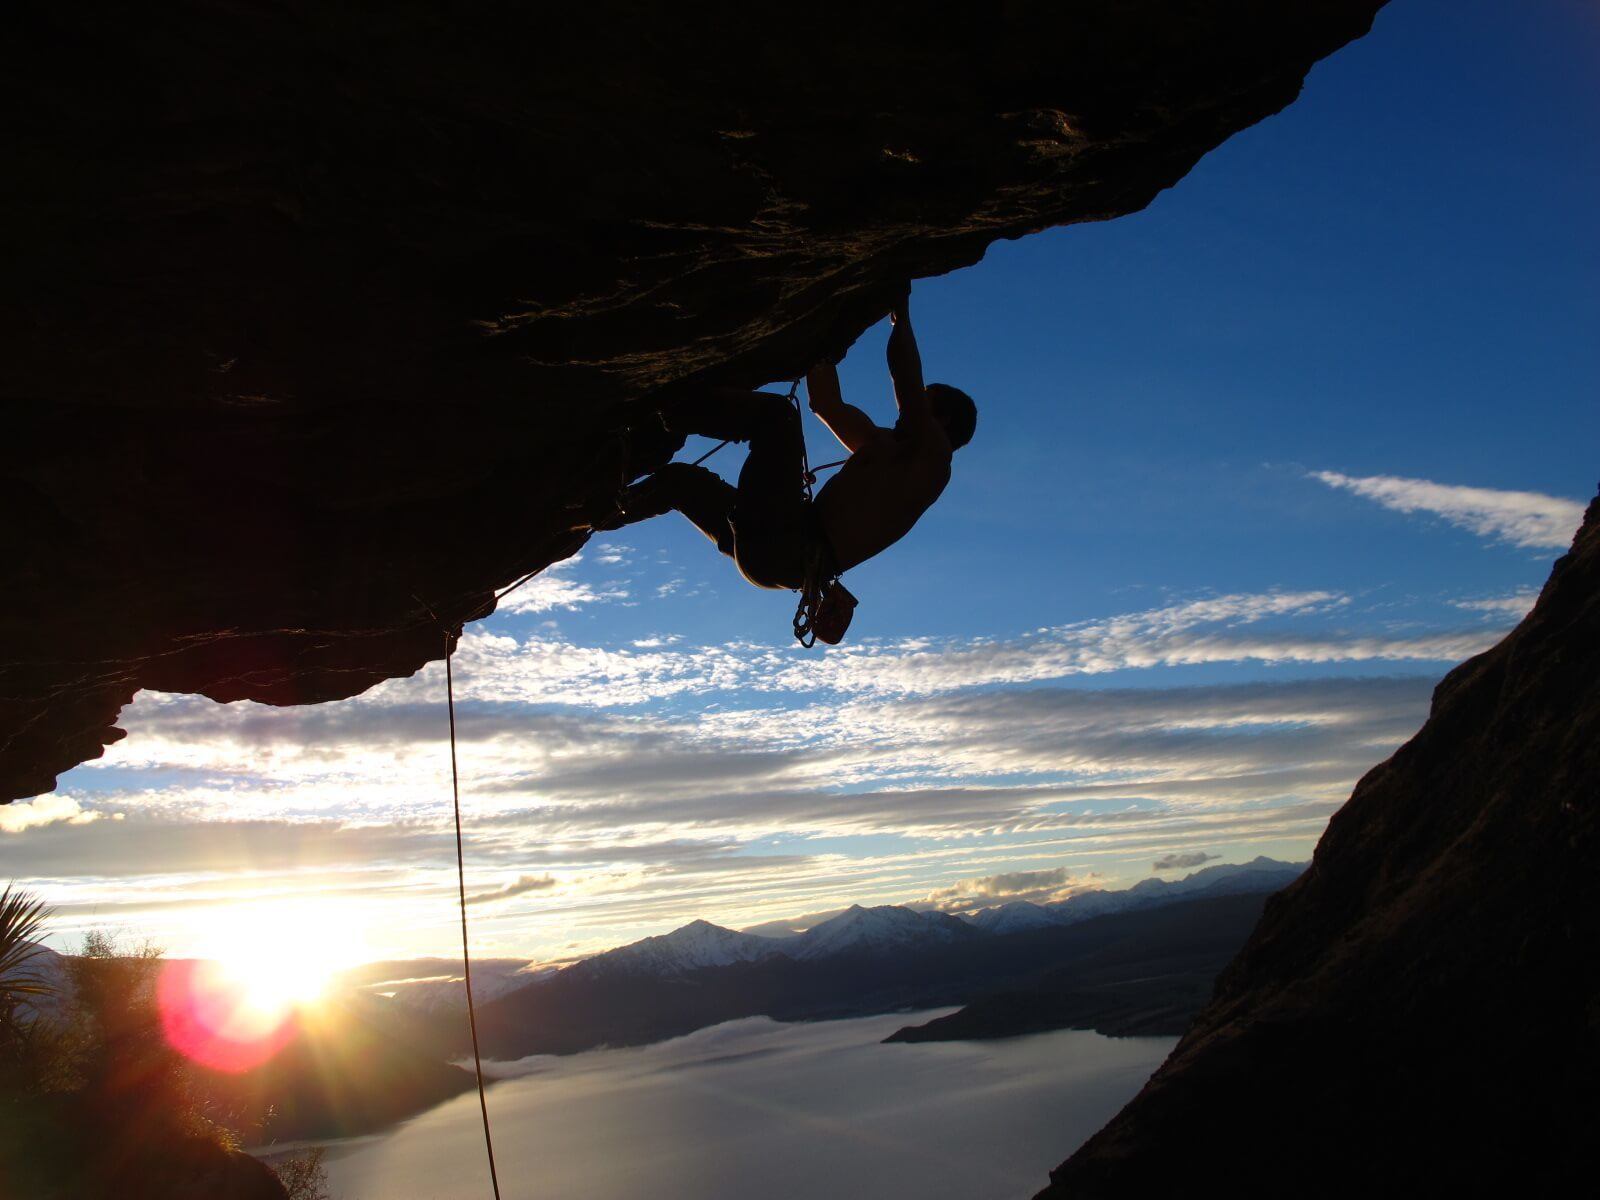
320 322
1419 1014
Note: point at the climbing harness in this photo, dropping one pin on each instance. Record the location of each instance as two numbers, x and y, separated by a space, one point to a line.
818 584
808 473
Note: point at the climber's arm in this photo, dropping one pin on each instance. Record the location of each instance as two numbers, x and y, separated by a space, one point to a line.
846 422
905 368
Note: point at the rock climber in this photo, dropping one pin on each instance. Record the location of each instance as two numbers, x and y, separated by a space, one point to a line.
776 537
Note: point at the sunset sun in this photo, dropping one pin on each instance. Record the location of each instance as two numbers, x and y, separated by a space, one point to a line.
274 978
264 969
282 955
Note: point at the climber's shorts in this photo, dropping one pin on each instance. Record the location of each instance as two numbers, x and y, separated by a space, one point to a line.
778 550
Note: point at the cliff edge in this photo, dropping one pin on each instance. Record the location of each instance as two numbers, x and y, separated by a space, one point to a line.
1420 1012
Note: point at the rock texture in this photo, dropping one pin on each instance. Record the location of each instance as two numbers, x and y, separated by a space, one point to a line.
1420 1013
322 322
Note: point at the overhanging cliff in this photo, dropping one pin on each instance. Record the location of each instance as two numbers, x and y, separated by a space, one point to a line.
1419 1013
320 319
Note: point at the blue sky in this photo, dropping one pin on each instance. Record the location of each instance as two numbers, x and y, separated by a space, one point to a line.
1254 467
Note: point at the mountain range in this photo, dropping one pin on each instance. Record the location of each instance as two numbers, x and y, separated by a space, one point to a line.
435 985
881 959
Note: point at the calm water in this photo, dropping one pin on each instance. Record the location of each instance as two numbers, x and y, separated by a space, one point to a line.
755 1108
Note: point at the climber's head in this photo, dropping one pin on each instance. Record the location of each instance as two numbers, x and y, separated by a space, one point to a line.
954 410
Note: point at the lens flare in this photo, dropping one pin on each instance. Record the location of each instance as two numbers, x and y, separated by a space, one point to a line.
261 973
212 1018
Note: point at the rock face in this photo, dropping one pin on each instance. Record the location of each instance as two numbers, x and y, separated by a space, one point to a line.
323 322
1420 1012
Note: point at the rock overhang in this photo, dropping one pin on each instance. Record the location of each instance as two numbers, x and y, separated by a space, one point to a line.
322 325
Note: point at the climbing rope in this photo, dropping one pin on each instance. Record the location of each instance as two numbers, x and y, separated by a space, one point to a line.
461 886
710 452
804 618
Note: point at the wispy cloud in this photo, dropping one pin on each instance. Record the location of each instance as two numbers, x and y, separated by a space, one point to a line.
1182 860
1052 883
520 886
1528 519
1268 628
1514 605
553 588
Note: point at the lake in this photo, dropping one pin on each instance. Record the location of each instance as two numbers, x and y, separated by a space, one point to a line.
759 1108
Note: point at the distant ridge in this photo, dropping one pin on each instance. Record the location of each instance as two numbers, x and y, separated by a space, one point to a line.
884 928
1226 879
878 959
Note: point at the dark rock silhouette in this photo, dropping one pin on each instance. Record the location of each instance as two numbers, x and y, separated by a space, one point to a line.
194 1170
1420 1012
321 320
1143 974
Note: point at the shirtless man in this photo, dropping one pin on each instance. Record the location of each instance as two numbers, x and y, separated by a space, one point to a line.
765 525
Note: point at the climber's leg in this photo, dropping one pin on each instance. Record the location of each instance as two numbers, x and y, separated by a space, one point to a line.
772 535
764 525
727 414
701 495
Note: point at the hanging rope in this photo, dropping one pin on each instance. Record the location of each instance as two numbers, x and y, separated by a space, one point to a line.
803 619
461 886
710 452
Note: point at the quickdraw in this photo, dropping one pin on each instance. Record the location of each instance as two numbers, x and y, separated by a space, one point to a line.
811 592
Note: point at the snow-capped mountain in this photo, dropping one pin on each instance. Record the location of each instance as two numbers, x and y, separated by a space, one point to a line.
1227 879
1259 874
701 944
1015 917
883 929
691 947
1084 905
886 927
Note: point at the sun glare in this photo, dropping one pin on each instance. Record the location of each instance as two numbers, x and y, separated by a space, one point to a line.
264 969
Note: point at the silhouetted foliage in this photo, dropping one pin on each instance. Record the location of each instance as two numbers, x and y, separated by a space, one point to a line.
304 1177
28 1049
94 1101
22 914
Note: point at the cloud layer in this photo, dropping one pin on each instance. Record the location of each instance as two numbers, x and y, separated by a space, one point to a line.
1528 519
614 791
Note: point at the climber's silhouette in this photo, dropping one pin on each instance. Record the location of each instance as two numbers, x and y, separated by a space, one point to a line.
766 525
